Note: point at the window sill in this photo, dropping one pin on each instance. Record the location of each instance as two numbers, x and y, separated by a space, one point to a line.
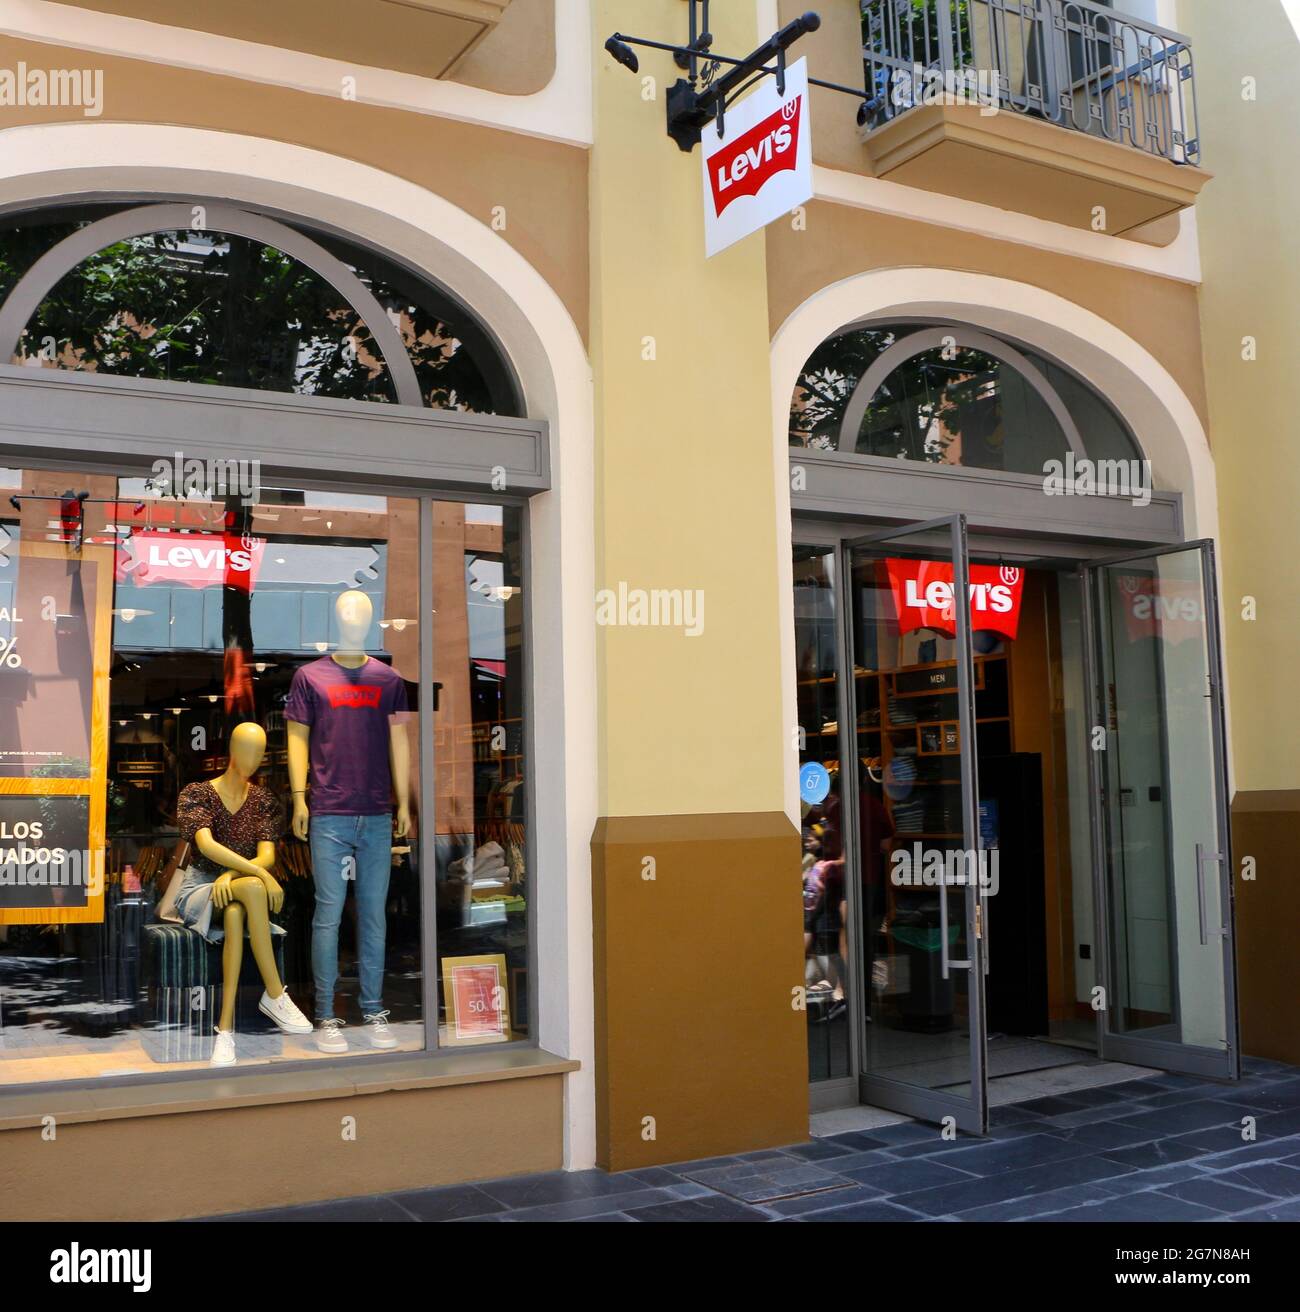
21 1110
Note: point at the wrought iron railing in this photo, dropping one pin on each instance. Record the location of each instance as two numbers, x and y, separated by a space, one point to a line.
1071 62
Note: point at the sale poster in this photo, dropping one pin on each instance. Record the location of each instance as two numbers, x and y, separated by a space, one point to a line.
476 999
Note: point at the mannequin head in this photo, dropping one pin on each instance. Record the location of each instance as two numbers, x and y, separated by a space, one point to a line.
354 614
247 748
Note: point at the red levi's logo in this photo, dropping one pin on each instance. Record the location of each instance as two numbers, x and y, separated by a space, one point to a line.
923 596
356 695
743 166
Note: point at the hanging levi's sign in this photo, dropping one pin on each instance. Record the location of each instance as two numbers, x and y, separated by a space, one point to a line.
923 596
762 168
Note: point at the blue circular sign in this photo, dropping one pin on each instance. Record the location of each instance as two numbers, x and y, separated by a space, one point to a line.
814 783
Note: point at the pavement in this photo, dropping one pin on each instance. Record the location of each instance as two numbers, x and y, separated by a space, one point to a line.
1160 1148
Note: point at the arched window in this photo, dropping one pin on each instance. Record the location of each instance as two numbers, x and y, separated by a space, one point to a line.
218 295
949 395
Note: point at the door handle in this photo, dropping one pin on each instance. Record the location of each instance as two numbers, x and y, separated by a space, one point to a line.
1202 856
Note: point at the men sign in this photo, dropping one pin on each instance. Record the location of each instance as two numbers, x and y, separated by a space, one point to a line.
762 167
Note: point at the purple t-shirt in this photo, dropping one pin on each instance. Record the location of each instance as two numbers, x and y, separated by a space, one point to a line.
348 713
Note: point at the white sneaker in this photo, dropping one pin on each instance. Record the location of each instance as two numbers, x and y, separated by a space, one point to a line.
223 1050
284 1013
329 1037
381 1036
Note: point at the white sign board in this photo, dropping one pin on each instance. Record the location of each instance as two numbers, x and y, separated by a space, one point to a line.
762 168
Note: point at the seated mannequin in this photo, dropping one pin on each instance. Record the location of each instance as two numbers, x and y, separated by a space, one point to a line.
233 824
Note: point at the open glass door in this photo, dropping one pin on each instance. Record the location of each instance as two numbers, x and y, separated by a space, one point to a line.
1164 880
910 795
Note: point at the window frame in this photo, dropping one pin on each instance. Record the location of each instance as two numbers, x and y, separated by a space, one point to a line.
56 419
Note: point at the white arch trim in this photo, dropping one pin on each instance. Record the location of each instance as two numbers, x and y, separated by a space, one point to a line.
44 162
1163 419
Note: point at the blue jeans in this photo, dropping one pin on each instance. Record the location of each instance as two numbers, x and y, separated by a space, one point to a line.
343 847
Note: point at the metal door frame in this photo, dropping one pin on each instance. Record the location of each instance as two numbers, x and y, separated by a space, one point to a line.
926 1104
1160 1053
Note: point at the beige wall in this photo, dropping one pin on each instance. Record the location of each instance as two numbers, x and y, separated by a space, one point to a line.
684 474
542 185
1250 250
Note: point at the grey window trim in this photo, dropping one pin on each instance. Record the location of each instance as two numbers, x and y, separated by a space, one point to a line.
834 484
59 414
967 339
33 287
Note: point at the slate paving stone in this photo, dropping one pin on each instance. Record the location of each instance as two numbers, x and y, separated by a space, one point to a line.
858 1141
1271 1178
715 1208
821 1149
1101 1136
764 1181
1010 1155
967 1194
1277 1096
448 1203
379 1208
1028 1209
929 1147
1269 1150
1159 1152
655 1176
605 1216
856 1193
577 1209
689 1189
1137 1207
1052 1106
906 1132
864 1212
1212 1192
1153 1179
1169 1121
552 1187
860 1161
908 1177
1277 1211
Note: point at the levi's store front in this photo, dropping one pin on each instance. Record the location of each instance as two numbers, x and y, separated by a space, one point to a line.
1013 810
264 726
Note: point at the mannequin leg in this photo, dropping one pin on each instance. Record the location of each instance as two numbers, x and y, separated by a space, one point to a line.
232 957
250 893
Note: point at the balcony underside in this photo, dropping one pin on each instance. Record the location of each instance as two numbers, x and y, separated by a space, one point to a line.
1024 164
426 37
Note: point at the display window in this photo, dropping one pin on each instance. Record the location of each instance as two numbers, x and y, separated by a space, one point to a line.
212 814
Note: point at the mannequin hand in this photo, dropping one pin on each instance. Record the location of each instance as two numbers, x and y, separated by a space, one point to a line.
403 825
301 817
221 892
274 893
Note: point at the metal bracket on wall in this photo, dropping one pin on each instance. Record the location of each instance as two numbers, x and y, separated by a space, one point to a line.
703 95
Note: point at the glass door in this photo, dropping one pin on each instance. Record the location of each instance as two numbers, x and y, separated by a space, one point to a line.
910 790
1160 798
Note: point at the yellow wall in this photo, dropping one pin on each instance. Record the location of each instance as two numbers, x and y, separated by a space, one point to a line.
1250 246
684 474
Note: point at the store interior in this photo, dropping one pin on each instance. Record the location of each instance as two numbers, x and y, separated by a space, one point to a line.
132 694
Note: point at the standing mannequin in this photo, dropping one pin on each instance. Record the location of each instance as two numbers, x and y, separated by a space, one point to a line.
234 824
345 716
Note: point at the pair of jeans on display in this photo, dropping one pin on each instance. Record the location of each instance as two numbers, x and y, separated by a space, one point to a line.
343 848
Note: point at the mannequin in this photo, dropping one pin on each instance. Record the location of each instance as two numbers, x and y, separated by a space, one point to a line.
233 824
347 735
